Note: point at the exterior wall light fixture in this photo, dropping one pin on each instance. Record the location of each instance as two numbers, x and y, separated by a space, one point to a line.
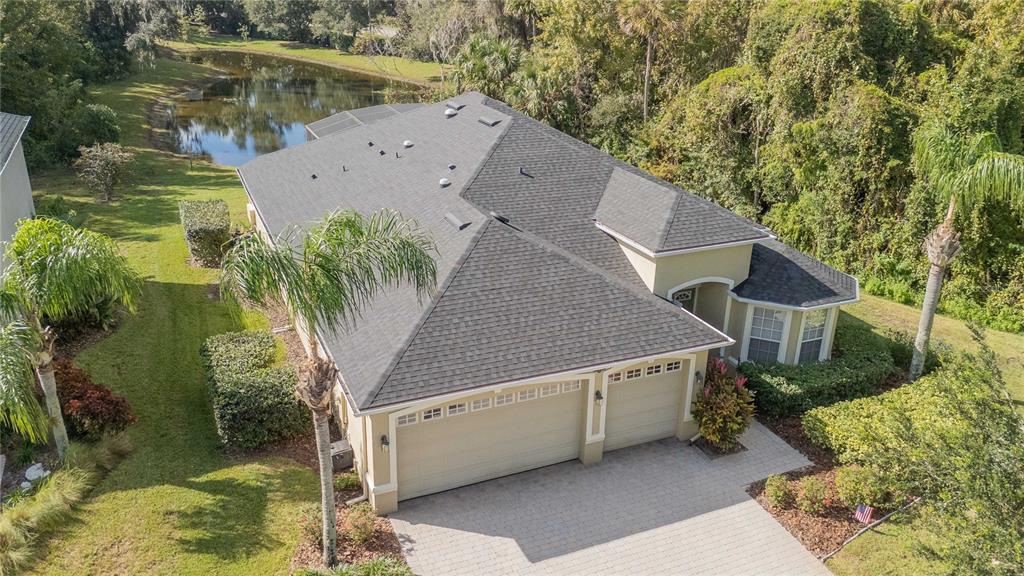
385 444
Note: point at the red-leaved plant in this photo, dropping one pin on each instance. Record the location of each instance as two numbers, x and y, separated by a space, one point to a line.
90 410
725 408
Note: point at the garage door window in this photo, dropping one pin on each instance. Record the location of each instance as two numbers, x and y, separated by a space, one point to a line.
457 408
432 414
654 370
503 399
525 395
615 377
549 389
633 373
673 366
481 404
571 386
406 419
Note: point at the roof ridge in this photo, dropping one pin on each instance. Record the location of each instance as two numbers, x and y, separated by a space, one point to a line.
407 343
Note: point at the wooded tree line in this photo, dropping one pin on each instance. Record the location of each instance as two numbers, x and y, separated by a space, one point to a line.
800 114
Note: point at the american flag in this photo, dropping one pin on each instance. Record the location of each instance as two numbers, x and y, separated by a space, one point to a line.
864 513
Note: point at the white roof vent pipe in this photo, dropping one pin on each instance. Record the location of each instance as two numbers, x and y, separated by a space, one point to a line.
449 112
407 144
444 182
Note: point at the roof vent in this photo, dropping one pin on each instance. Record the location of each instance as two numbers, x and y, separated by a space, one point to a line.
455 105
499 217
449 112
455 221
523 172
488 121
382 152
451 166
314 176
370 144
407 144
444 182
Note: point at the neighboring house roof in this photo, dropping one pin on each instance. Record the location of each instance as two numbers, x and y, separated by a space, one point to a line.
349 119
783 275
11 128
527 284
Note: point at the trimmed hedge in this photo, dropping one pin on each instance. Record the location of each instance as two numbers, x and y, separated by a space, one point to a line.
207 225
861 363
254 403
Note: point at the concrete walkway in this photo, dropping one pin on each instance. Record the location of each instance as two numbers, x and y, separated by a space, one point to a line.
660 508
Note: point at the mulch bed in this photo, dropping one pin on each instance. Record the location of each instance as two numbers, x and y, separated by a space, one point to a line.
383 543
821 534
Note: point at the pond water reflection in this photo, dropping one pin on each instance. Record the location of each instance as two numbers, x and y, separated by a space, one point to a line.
264 103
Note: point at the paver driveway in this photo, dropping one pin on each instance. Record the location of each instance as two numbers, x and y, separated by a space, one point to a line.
660 508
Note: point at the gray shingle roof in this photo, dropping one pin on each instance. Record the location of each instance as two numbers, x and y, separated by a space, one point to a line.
11 128
547 292
351 118
784 275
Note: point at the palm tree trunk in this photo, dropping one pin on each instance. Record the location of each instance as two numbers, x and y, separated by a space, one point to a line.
647 73
924 326
941 245
323 450
48 382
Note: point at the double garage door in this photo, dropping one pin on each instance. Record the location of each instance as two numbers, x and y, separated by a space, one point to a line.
473 446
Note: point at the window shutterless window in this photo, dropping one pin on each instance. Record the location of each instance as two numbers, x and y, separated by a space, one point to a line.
432 414
654 369
765 334
525 395
673 366
549 389
633 373
481 404
457 408
406 419
615 377
571 386
813 336
503 399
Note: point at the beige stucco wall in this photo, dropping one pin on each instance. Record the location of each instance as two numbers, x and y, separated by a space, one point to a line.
642 263
731 262
737 328
15 194
712 300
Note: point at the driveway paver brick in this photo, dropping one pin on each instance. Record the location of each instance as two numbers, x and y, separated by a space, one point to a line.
659 508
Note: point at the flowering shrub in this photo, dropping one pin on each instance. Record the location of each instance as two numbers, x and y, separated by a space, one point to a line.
725 407
90 410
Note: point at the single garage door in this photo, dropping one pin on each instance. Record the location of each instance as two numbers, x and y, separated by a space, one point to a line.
473 446
642 410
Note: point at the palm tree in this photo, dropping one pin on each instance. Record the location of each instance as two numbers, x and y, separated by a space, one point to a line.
58 272
19 410
486 64
644 18
964 171
326 275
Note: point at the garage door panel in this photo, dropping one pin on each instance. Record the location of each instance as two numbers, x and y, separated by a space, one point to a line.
642 410
467 448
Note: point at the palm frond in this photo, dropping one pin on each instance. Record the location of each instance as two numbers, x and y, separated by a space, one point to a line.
261 272
59 271
938 156
19 409
995 176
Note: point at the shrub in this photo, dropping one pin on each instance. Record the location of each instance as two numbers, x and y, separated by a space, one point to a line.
901 346
812 495
778 492
311 524
862 363
103 166
347 481
253 404
360 521
97 123
859 485
207 225
379 566
90 410
725 407
58 208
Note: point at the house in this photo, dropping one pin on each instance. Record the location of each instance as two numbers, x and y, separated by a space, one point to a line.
578 298
15 189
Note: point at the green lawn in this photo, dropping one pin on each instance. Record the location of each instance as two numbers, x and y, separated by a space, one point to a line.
895 546
415 71
178 505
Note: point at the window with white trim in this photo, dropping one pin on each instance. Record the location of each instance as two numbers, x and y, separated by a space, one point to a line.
550 389
765 334
528 394
615 377
673 366
503 399
406 419
457 408
813 336
481 404
572 385
633 373
654 369
432 414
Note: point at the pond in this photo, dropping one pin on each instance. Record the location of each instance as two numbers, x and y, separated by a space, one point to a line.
263 103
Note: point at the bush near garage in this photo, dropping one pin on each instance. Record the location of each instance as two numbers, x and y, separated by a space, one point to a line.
725 407
254 402
207 225
861 363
